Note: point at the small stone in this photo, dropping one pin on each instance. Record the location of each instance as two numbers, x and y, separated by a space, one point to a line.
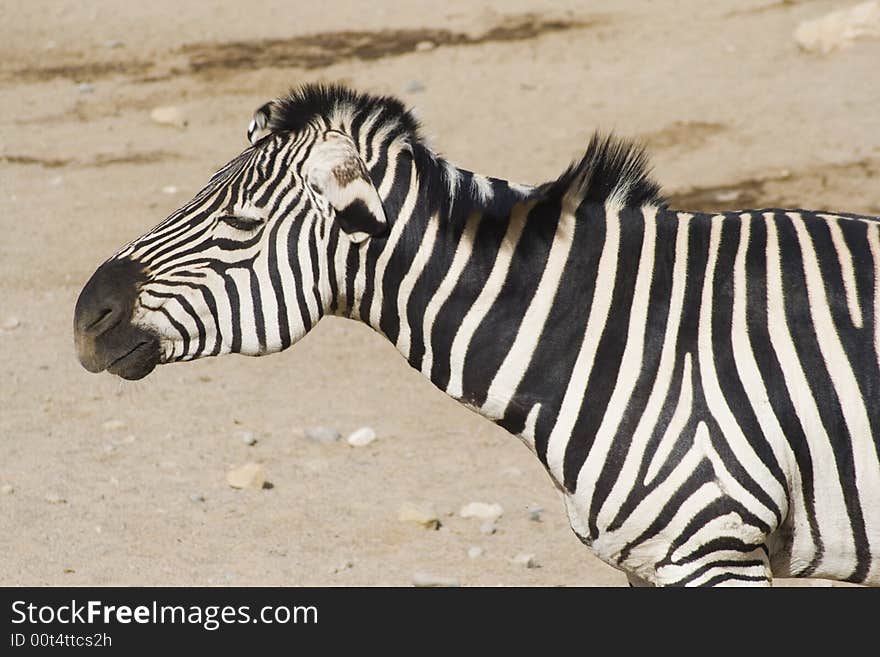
113 425
512 472
345 565
482 511
323 435
362 437
419 514
527 560
414 86
197 497
56 181
488 528
85 88
425 46
7 489
535 512
112 44
169 189
10 323
53 498
475 552
250 475
169 115
426 579
247 437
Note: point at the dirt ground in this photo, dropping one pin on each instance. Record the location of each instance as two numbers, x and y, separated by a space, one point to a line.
733 112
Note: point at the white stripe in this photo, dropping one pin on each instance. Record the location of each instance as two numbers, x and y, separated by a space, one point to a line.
680 417
867 465
759 400
629 371
423 254
397 228
732 432
844 257
577 382
517 360
483 303
447 285
831 512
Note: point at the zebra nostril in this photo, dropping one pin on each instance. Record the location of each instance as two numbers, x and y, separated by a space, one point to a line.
102 318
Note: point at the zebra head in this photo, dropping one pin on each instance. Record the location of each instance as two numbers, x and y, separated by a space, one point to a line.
243 266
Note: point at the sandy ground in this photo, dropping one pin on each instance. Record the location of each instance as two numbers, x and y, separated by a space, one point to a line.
735 116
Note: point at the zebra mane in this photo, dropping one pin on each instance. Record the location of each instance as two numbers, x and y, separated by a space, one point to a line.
612 169
305 104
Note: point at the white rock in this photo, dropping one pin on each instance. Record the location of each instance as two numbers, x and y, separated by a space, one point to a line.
169 115
10 323
112 44
839 29
247 437
414 86
54 498
323 435
7 489
424 46
250 475
535 512
362 437
169 189
85 88
527 560
419 514
113 425
482 511
427 579
197 497
475 552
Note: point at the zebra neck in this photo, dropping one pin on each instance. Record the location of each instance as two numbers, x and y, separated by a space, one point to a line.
430 285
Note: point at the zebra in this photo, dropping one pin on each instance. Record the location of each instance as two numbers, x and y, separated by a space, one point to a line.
698 386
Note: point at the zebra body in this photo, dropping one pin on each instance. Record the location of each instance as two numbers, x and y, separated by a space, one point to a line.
699 387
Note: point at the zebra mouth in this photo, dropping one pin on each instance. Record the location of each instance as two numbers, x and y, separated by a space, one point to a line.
137 362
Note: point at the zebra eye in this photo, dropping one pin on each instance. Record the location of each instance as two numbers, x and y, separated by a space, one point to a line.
241 223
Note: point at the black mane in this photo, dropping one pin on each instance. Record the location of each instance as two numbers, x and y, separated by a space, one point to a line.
610 168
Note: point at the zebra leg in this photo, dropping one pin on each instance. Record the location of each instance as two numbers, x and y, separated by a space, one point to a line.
731 565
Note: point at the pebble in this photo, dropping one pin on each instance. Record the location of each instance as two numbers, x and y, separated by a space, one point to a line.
414 86
250 475
53 498
247 437
419 514
112 44
169 189
7 489
535 512
488 528
424 46
345 565
527 560
426 579
475 552
511 472
323 435
197 497
113 425
362 437
85 88
482 511
56 181
169 115
10 323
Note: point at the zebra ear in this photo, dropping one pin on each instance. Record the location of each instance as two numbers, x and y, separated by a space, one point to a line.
336 171
258 127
